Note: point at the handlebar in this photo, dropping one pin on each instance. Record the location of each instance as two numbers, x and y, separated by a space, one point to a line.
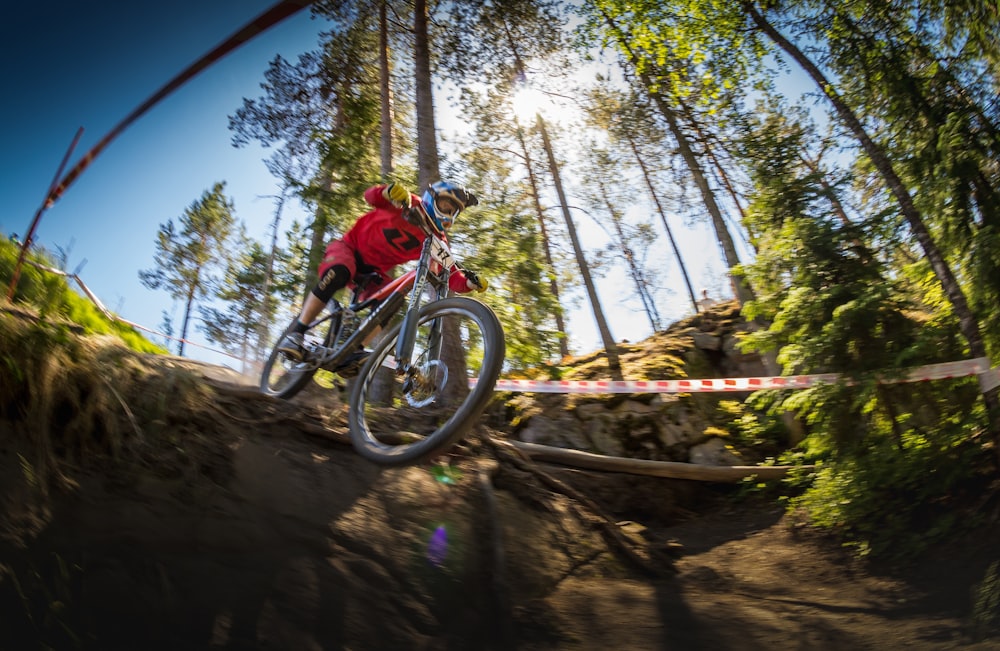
418 217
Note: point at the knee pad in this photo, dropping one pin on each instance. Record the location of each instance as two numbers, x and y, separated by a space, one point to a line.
335 278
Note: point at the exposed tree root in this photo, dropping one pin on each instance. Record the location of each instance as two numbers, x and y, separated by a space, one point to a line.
649 561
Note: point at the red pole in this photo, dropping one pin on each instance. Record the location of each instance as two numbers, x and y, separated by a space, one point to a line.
281 10
38 216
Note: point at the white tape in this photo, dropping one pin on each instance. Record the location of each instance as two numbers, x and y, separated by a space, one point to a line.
978 366
989 380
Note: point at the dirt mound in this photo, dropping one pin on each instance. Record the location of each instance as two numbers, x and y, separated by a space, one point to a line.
196 514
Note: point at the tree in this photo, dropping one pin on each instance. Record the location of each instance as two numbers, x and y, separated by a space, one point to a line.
968 323
187 254
835 305
610 198
244 291
507 248
930 104
322 111
524 29
508 145
659 88
628 124
610 348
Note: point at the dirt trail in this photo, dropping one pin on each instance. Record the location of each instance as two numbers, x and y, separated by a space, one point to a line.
258 534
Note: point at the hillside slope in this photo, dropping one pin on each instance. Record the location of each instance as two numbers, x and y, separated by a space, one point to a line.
149 503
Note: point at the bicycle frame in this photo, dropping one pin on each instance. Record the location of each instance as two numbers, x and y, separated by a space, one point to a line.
390 299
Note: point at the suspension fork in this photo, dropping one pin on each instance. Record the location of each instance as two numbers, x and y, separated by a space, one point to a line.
408 329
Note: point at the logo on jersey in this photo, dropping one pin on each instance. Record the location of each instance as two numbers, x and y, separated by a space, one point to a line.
400 240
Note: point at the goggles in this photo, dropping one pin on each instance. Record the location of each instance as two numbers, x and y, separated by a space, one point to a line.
446 208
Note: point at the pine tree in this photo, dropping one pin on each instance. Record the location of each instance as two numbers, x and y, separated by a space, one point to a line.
244 292
187 254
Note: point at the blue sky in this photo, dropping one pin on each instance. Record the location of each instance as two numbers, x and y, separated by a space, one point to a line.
71 64
89 64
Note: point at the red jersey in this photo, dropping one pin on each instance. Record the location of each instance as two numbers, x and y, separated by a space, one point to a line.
383 239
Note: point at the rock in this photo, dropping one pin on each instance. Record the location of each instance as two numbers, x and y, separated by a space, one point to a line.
562 432
605 436
714 452
635 408
706 341
589 410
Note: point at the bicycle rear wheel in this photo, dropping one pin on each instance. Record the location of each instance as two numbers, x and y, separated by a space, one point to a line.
433 406
282 377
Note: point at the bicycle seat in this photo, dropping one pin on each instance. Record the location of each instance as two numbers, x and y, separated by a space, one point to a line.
362 280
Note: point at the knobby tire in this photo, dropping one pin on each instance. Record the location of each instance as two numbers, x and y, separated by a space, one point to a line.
389 434
283 378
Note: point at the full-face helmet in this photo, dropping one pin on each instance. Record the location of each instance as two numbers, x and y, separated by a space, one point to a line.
442 202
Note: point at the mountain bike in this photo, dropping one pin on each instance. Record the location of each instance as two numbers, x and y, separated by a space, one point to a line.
429 376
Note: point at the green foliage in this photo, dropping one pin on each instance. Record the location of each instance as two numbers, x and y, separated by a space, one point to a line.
322 114
750 427
52 296
670 40
923 75
984 263
893 501
500 239
834 304
986 603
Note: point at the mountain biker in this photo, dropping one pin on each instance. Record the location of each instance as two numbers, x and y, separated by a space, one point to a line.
378 241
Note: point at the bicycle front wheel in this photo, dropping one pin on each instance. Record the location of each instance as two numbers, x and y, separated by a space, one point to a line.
457 357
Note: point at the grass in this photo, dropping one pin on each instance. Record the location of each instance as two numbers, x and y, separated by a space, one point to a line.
51 298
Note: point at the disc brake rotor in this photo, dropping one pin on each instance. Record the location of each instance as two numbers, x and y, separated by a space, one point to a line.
424 383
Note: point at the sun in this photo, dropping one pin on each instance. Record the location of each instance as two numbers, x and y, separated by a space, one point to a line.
528 101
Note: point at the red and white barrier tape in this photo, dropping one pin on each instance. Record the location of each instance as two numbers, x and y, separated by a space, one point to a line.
988 378
979 366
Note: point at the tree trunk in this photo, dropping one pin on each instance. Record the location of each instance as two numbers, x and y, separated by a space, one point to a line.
382 385
703 138
968 325
535 195
385 91
638 277
317 245
187 318
650 468
663 217
427 155
264 326
828 191
741 290
602 325
547 247
428 172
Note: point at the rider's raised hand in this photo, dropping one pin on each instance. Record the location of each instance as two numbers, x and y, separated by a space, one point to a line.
397 194
475 281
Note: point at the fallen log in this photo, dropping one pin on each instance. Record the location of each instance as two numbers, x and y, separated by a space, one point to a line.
668 469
